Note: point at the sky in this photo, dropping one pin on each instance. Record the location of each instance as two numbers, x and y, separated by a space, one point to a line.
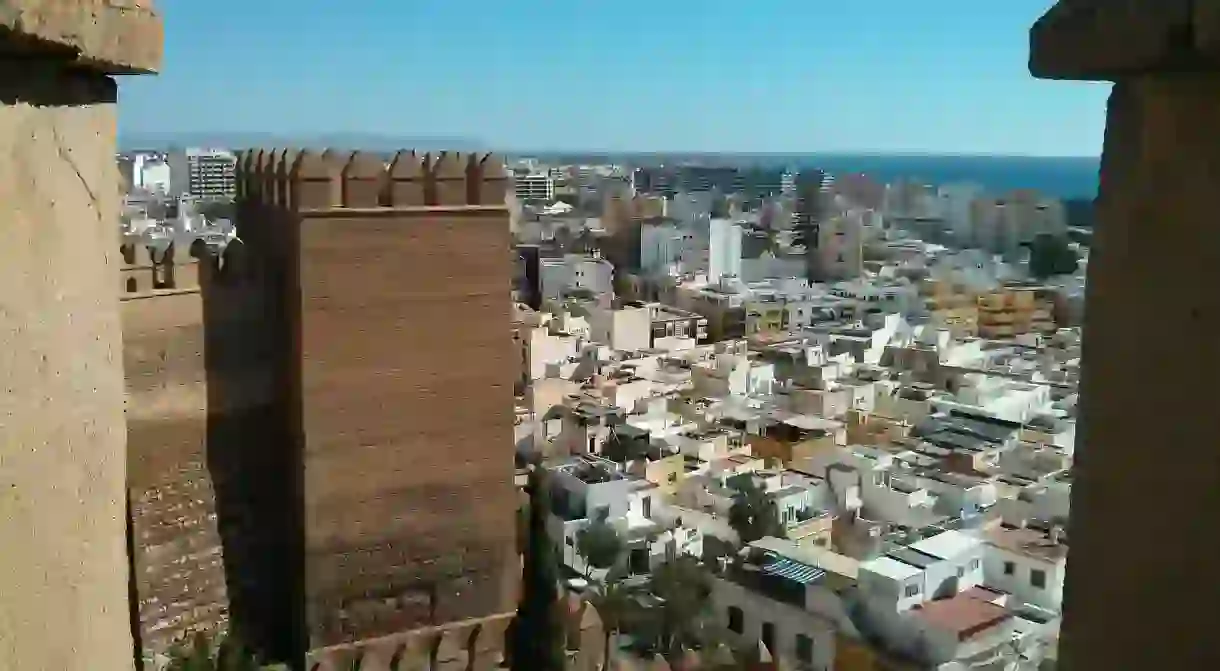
933 76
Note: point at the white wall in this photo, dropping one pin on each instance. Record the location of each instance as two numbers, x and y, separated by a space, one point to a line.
997 561
576 271
724 250
788 621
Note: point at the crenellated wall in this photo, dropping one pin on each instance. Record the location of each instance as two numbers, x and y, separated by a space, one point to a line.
387 291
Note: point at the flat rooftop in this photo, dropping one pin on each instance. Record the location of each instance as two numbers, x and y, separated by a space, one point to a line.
1033 543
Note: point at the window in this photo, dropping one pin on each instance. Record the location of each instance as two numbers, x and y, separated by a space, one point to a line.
768 635
1037 578
569 541
804 649
974 564
648 507
1009 568
673 477
737 620
911 590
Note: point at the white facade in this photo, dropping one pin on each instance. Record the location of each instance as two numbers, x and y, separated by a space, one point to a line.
723 250
627 329
1028 564
152 173
204 173
536 187
668 248
576 272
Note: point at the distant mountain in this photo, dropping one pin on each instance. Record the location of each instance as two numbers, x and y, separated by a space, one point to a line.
240 140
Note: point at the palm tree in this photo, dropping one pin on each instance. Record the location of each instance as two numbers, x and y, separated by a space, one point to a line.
613 602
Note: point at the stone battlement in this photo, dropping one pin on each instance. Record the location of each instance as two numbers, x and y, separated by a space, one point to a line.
312 180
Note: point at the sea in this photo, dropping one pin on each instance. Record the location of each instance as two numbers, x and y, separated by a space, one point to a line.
1069 178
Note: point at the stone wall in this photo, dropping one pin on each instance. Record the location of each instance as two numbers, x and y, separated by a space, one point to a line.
390 294
177 562
63 570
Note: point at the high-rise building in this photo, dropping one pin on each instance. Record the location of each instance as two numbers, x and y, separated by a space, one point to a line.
204 174
1003 225
813 192
723 250
534 188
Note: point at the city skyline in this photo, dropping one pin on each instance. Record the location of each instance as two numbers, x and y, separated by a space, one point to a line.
880 77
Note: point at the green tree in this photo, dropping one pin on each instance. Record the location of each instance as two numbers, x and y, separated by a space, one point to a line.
753 514
622 448
1052 255
599 543
537 637
614 603
683 590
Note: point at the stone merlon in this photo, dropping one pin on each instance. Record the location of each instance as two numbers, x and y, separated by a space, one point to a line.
112 36
1104 40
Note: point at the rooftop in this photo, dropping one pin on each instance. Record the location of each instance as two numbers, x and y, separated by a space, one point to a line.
1031 542
963 614
947 545
891 568
826 560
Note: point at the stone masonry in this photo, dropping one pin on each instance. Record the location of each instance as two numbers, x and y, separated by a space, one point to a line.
388 295
1133 603
63 570
178 574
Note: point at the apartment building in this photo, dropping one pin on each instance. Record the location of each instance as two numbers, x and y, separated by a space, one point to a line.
1003 225
204 174
1016 309
534 188
951 307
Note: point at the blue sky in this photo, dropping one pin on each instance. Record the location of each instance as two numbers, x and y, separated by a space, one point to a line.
709 75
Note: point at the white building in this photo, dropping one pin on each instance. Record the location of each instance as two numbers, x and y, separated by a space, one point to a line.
151 173
587 488
576 272
955 207
204 173
1028 563
534 187
666 248
723 250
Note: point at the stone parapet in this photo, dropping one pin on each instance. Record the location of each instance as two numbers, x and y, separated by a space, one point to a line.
111 36
1104 40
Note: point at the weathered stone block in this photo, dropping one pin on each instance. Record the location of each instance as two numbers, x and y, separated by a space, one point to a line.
63 569
112 36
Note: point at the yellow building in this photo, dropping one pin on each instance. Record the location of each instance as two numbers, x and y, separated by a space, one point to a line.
1016 309
951 307
765 317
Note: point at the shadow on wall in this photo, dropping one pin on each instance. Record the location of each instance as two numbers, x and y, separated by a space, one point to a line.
249 452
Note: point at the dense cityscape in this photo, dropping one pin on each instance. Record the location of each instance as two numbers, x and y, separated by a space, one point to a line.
838 415
330 407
